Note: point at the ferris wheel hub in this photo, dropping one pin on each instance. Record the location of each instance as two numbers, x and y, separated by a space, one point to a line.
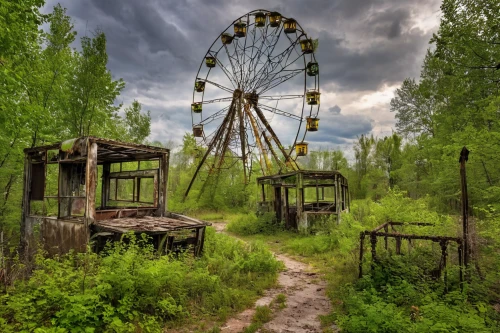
237 93
252 98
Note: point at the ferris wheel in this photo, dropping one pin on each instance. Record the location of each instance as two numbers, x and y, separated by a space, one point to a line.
258 81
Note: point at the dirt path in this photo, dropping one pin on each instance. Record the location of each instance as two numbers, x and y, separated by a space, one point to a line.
305 300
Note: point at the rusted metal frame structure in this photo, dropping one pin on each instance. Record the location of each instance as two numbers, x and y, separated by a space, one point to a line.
302 197
398 236
82 215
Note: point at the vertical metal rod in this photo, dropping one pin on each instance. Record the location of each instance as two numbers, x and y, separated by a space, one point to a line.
398 245
460 264
444 254
386 229
373 240
464 156
361 244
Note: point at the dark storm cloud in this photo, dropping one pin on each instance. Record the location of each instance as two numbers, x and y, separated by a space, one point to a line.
157 46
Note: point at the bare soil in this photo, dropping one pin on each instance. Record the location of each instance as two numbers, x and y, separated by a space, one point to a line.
305 300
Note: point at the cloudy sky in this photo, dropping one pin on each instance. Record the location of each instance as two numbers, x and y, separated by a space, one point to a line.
366 49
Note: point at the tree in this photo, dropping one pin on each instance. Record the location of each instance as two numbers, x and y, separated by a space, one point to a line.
138 125
414 109
92 92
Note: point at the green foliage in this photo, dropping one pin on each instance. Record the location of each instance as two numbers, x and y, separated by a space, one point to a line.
129 288
263 314
250 224
138 125
454 104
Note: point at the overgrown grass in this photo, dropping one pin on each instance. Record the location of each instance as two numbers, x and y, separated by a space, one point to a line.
221 216
130 289
262 315
251 224
279 301
400 295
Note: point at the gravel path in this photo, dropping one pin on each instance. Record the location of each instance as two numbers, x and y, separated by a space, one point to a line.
305 300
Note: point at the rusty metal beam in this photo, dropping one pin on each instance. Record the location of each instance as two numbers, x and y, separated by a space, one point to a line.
242 138
264 121
215 140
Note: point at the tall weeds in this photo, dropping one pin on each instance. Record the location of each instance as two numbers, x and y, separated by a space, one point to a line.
130 289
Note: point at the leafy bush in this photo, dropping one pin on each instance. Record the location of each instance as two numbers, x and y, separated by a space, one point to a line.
251 224
130 289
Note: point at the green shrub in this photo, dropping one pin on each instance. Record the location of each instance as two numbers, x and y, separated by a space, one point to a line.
129 288
251 224
263 314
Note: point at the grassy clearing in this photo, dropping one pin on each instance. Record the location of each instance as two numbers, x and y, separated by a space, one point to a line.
400 295
220 216
130 289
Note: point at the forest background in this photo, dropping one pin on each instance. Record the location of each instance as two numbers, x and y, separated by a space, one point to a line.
51 92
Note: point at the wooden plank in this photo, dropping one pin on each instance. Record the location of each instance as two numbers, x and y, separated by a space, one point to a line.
162 186
148 224
91 183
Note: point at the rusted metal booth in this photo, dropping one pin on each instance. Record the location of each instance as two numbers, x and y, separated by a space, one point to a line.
93 190
302 197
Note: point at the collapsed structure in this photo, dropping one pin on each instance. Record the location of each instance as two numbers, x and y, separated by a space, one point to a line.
90 190
302 197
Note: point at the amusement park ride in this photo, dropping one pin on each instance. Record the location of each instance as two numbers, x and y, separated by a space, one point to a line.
259 65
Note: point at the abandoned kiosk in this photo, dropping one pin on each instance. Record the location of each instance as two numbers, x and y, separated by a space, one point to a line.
92 189
302 197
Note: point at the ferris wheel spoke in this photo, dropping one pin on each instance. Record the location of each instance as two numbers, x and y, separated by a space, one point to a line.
227 72
218 100
250 59
272 64
268 66
276 81
239 66
279 112
244 49
295 41
264 80
280 97
232 65
214 116
274 78
268 50
216 84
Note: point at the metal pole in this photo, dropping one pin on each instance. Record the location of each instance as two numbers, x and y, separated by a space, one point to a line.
464 157
361 244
